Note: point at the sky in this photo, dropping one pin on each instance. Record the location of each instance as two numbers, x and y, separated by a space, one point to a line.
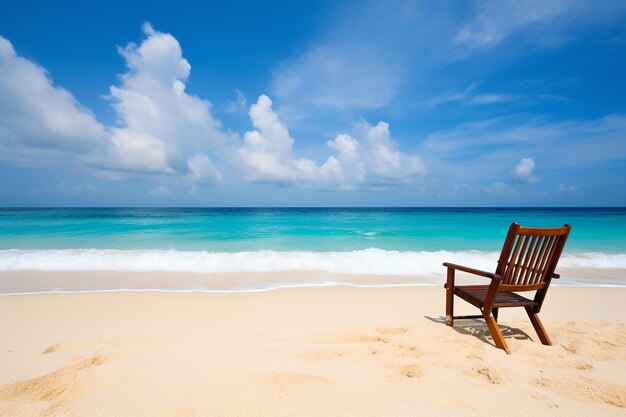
313 103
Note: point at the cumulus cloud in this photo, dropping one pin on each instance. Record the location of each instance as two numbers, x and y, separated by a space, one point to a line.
267 152
523 171
349 167
202 170
372 158
38 120
161 129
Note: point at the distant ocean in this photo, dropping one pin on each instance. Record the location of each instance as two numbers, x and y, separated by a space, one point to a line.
366 241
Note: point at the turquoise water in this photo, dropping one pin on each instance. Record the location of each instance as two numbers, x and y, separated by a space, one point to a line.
307 246
336 229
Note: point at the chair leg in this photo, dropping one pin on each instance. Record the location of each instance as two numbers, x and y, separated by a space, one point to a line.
541 332
496 334
495 313
450 298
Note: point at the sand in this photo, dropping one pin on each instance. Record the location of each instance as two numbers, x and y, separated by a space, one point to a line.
331 351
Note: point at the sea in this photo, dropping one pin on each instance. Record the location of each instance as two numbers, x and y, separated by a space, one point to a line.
330 244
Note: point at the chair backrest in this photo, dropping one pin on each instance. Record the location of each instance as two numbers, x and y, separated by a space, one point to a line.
529 257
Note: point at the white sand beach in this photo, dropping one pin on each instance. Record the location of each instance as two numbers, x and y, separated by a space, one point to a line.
331 351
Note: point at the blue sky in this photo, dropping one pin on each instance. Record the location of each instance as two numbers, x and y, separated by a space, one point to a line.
402 103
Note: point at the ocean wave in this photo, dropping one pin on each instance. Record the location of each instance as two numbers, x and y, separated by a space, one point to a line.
366 262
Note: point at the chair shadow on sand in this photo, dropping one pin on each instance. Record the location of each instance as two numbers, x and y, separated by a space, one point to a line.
478 329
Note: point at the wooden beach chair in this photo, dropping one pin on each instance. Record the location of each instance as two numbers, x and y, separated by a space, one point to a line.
527 262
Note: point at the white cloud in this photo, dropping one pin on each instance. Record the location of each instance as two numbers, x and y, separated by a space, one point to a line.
491 98
469 97
366 56
523 171
370 55
202 170
162 129
544 22
267 151
383 160
335 76
348 167
38 120
135 151
372 159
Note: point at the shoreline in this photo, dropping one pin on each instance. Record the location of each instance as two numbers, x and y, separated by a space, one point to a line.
35 281
264 290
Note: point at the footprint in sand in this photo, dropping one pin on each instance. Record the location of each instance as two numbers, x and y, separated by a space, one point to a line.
484 373
412 370
61 386
546 400
410 351
382 341
585 388
603 343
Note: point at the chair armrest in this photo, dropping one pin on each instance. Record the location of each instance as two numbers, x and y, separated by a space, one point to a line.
472 271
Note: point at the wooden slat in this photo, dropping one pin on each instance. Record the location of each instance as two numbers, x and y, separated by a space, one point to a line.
528 259
541 231
537 276
521 260
556 254
506 249
511 264
541 276
532 263
551 255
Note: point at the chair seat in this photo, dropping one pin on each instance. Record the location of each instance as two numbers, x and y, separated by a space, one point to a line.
476 294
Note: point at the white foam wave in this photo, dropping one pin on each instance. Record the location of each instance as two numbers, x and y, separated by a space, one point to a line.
367 262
